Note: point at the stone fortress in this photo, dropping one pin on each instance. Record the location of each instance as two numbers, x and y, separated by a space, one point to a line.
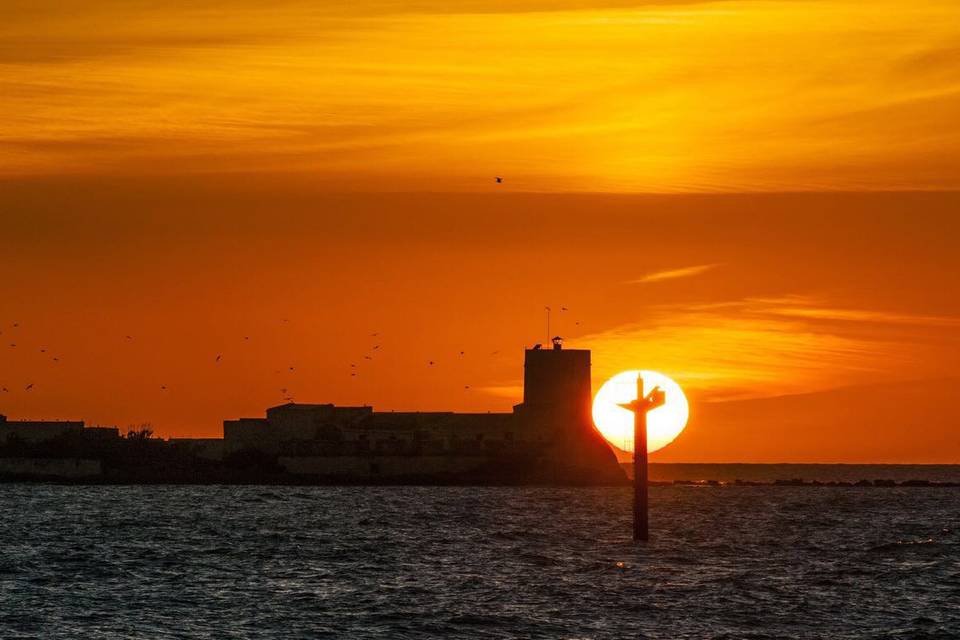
548 437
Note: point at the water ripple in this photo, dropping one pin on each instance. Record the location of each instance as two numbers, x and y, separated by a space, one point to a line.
456 562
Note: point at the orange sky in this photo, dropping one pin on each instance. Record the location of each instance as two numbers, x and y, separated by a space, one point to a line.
305 177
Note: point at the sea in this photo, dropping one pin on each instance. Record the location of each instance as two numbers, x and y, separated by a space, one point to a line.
724 561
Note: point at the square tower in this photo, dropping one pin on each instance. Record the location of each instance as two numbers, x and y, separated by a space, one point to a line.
557 380
557 407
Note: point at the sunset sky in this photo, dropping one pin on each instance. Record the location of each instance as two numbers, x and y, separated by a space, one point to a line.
759 199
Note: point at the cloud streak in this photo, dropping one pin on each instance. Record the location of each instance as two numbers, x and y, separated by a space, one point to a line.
674 274
420 95
766 347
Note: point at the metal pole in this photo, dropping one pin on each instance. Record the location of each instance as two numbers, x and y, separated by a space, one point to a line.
641 521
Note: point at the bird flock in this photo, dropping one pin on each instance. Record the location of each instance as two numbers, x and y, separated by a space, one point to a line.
354 371
11 331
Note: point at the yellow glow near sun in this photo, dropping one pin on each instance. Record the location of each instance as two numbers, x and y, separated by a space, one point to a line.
616 423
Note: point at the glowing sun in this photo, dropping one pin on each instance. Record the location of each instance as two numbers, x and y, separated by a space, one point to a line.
616 423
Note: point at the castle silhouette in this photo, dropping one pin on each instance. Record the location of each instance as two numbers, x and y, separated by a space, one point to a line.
548 438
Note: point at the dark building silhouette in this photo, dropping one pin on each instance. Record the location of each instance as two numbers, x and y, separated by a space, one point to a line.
549 437
36 431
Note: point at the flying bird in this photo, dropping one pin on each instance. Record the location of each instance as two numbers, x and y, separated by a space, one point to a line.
462 352
367 357
43 350
4 390
218 357
498 179
375 347
291 368
28 387
129 337
56 359
466 386
564 309
163 388
374 335
430 363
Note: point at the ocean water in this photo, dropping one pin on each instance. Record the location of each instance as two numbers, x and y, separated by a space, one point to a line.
668 472
466 562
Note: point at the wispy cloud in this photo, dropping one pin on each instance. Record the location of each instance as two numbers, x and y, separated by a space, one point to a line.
673 274
757 347
213 86
812 308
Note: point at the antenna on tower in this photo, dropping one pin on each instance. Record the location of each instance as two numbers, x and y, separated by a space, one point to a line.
548 323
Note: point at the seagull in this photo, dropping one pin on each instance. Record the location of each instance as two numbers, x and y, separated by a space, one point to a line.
43 350
430 363
375 347
28 387
354 373
461 353
498 179
466 386
246 337
367 358
56 359
219 355
291 368
163 388
4 390
16 324
564 309
353 365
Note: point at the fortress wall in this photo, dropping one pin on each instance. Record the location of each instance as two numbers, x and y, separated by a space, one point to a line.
50 467
246 433
34 431
380 466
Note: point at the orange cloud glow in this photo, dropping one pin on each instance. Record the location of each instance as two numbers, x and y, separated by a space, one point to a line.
608 95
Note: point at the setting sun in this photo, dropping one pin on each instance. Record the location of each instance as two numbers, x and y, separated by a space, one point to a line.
616 423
